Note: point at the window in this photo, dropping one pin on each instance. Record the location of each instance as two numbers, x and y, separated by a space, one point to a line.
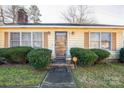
106 40
26 39
37 39
33 39
14 39
95 40
100 40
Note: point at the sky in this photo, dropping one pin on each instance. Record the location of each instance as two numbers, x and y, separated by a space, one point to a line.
112 14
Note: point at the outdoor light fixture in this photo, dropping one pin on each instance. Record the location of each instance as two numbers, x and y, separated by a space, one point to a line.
72 33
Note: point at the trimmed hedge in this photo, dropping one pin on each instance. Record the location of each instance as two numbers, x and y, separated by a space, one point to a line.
39 58
102 54
121 56
15 54
3 61
85 56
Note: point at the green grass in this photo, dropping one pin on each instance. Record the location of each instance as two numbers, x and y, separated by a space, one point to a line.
20 76
105 75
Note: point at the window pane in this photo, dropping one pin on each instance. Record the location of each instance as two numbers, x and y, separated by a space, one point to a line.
37 44
14 39
26 39
14 43
105 45
94 44
37 36
37 39
105 36
95 40
95 36
26 36
26 43
14 36
106 40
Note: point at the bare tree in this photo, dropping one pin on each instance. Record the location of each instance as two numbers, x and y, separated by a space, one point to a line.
78 14
34 14
8 14
2 15
11 13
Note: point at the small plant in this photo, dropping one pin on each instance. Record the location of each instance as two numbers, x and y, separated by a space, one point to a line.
121 55
39 58
85 56
102 54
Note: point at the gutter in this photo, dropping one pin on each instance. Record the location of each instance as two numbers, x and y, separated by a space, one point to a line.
40 26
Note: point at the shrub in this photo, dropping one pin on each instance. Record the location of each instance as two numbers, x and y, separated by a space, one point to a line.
39 58
3 52
102 54
121 56
15 54
85 56
3 60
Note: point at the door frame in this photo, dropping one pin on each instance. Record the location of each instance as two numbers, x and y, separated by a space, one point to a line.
66 41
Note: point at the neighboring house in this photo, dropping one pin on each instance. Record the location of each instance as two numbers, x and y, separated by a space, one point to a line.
60 37
22 16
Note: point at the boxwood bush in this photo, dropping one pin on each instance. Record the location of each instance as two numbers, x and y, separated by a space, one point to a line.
121 56
102 54
85 56
3 52
39 58
15 54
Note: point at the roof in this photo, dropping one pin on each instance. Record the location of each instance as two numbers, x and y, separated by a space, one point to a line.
63 25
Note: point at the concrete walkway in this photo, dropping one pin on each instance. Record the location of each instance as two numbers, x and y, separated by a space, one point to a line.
59 78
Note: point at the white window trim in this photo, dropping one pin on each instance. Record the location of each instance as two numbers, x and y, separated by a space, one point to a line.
9 36
100 40
42 39
110 41
21 38
90 39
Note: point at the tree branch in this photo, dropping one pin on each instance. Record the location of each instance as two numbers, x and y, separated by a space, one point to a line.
77 14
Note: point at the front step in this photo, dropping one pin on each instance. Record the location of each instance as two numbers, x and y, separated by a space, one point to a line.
62 66
59 61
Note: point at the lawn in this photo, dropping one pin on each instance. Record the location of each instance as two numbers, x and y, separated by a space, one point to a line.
20 76
105 75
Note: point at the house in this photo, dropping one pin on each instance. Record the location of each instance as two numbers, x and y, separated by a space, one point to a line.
60 37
